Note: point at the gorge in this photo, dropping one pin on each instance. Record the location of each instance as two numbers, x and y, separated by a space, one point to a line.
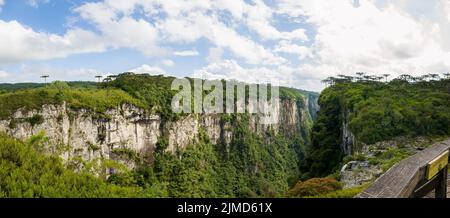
190 155
122 136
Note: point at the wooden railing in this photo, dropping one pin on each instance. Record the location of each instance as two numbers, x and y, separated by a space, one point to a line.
414 177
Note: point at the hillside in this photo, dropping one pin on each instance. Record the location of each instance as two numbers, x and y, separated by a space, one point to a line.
121 134
355 115
29 172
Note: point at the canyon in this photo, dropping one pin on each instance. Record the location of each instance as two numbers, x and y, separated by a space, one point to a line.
129 127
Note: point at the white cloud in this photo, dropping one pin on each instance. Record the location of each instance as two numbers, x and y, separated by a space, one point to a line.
259 18
20 43
446 8
215 55
288 47
365 37
35 3
33 72
168 63
243 47
186 53
186 22
230 69
282 75
405 36
117 26
3 74
149 70
122 31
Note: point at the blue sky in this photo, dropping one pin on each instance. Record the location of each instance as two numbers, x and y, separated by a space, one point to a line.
293 42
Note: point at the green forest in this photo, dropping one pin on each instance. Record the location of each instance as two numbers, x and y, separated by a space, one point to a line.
376 111
251 166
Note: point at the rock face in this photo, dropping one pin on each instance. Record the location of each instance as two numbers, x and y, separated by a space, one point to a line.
348 139
91 136
356 173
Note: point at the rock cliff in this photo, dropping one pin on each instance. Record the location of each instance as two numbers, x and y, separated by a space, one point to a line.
89 135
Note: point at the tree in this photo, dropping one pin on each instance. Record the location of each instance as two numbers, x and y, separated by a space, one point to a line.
386 76
425 77
45 77
349 78
327 81
405 77
417 79
360 74
344 78
367 77
433 76
99 78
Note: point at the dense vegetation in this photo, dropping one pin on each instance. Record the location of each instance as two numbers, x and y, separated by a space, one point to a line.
95 100
26 171
251 166
376 111
154 91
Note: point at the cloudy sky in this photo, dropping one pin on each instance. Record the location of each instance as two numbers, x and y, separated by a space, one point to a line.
297 42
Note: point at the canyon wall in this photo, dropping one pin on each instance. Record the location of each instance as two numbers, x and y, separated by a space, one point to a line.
90 136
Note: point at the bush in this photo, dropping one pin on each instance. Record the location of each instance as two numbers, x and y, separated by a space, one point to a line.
344 193
314 186
35 120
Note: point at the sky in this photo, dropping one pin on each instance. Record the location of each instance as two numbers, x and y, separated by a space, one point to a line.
294 42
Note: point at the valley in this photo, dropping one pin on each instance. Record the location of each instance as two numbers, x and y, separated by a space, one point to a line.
120 138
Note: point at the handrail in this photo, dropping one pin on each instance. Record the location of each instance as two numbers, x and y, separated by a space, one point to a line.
414 176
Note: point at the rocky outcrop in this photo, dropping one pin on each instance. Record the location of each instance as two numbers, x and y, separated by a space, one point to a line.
374 159
128 128
348 138
356 173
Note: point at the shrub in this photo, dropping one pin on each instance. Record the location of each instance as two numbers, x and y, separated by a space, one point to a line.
126 153
315 186
35 120
344 193
13 123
